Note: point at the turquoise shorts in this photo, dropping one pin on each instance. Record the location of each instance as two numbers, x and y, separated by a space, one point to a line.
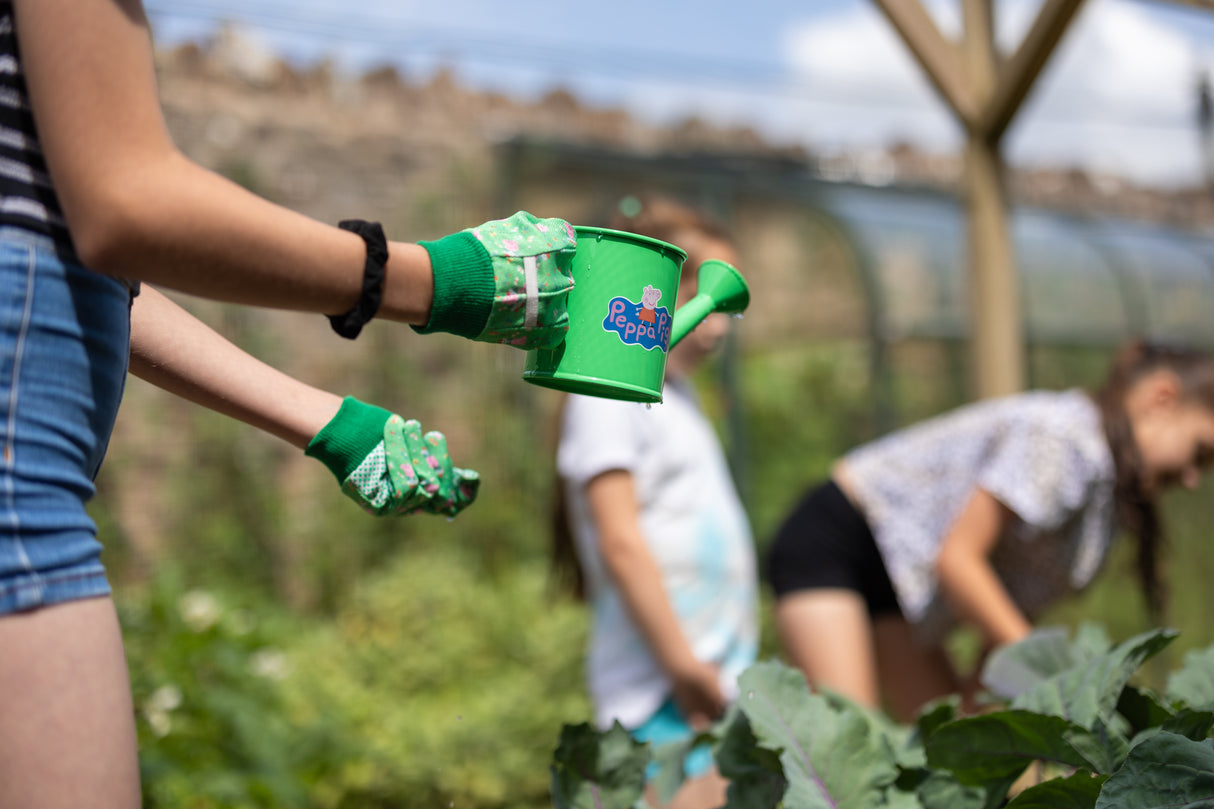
666 727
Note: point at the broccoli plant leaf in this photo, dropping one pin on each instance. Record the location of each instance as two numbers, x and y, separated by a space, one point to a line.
994 747
1142 708
1102 747
900 799
669 759
1087 693
1078 791
1016 668
1193 683
941 790
598 770
1165 770
756 778
903 741
829 754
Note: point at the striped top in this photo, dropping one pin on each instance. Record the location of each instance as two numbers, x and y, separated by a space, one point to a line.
27 199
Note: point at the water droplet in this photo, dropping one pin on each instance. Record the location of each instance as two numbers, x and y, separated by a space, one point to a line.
450 519
649 405
750 695
459 718
738 316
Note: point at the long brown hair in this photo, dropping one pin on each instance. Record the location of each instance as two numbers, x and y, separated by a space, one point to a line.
658 217
1136 508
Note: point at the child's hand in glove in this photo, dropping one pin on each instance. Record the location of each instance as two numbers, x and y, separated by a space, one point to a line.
505 281
387 466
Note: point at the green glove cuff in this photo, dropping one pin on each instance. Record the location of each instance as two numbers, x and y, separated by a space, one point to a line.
463 285
349 437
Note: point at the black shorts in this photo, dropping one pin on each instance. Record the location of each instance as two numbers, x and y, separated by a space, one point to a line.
826 543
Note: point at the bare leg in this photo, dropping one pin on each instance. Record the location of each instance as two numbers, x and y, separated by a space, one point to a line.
911 674
67 727
827 634
706 791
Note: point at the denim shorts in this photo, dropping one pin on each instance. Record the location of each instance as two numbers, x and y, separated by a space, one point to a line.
64 344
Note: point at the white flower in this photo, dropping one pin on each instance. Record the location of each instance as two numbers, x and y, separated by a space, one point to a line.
159 705
160 723
271 664
199 609
165 698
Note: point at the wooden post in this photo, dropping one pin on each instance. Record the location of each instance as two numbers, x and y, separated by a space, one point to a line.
984 94
997 354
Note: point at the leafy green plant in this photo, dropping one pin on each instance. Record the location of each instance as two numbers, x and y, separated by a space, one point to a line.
1063 706
213 728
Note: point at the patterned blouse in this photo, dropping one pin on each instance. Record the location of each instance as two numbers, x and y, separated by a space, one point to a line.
1042 454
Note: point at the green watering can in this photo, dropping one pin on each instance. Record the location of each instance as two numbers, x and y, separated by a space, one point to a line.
620 326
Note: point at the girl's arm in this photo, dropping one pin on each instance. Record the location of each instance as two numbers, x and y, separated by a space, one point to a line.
172 349
967 578
137 208
613 507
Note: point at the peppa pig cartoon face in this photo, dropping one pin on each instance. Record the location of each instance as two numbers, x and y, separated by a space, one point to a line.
650 296
642 323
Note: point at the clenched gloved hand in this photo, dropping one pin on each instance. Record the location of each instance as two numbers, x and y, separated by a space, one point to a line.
387 466
505 281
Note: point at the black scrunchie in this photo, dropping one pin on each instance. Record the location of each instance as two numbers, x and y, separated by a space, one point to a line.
352 322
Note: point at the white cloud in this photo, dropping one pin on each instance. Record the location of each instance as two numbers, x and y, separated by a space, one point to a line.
1119 93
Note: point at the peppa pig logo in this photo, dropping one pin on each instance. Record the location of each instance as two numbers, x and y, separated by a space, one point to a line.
645 324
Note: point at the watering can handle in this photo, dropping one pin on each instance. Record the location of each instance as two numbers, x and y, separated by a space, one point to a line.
719 288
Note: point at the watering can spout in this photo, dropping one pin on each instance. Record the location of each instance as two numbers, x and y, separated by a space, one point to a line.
719 288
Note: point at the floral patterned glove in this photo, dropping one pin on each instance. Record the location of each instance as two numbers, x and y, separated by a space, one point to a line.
387 466
505 281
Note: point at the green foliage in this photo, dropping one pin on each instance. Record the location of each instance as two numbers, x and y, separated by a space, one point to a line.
592 769
213 728
427 689
1194 684
452 688
830 755
1165 770
788 747
1078 791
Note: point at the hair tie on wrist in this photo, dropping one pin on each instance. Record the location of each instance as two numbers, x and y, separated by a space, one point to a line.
352 322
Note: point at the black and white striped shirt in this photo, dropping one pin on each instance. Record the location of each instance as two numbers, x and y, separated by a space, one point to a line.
27 199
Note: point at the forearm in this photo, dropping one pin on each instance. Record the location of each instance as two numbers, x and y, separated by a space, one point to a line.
635 573
172 349
978 596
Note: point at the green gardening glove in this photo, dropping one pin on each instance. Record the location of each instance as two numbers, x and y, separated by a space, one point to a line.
505 281
387 466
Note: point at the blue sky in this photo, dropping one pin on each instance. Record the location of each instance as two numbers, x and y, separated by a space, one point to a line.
1118 97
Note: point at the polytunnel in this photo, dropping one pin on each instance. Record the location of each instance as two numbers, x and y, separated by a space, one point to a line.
1084 280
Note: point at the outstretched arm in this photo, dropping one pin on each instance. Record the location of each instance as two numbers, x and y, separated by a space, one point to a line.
383 462
172 349
138 208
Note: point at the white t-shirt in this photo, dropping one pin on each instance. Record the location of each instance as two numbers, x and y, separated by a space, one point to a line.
1042 454
696 529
